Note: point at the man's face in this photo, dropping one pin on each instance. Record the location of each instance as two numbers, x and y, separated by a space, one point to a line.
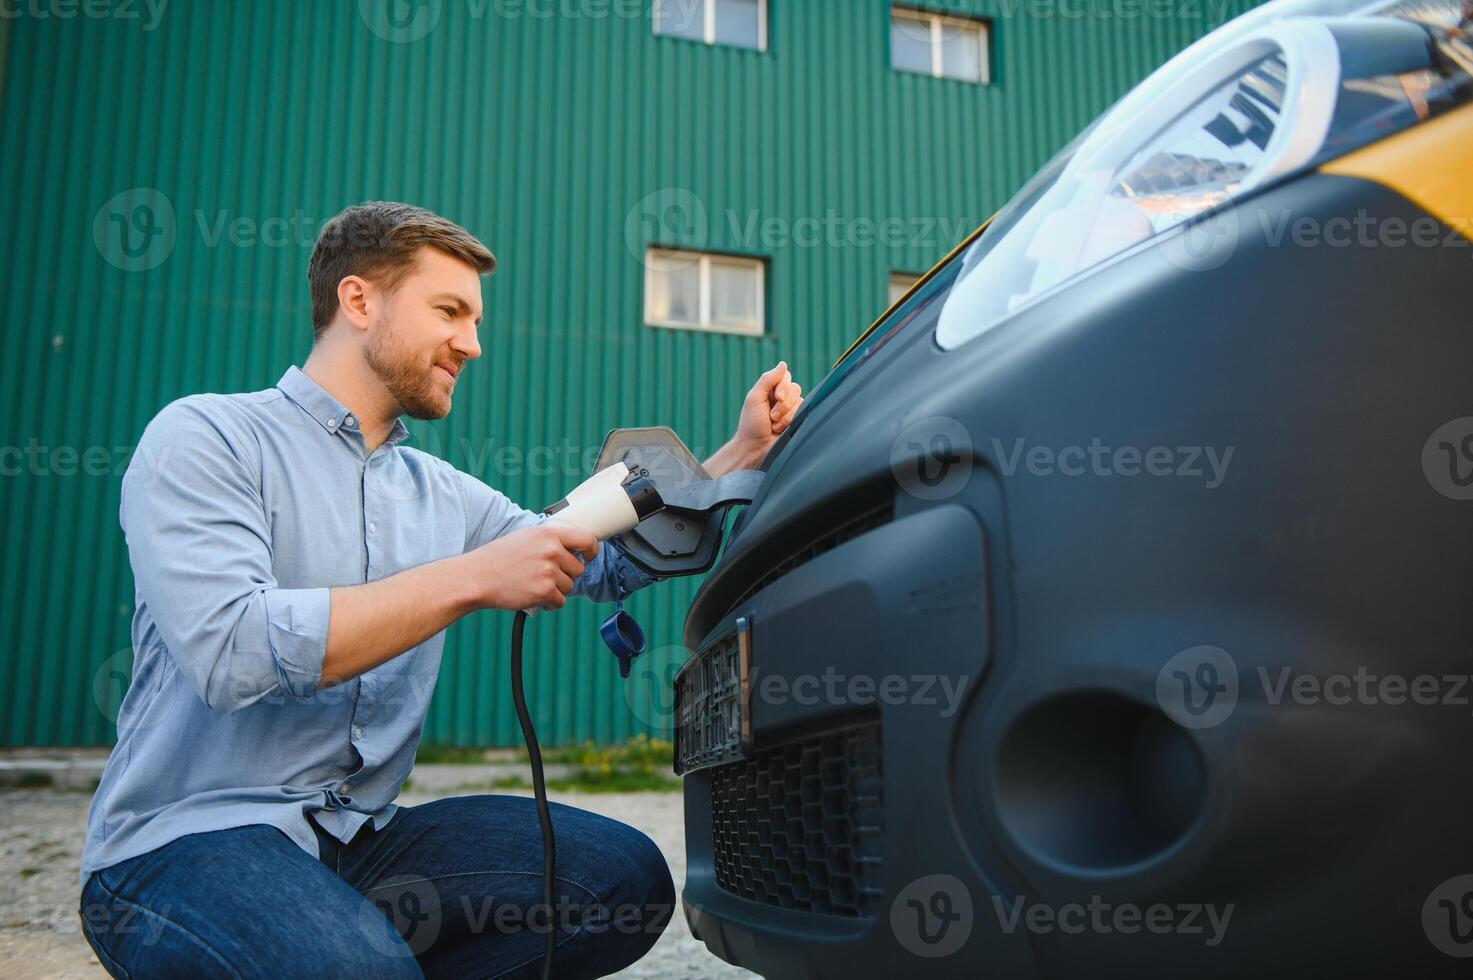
424 332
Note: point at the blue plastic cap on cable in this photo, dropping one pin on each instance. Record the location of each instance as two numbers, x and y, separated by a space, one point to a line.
624 637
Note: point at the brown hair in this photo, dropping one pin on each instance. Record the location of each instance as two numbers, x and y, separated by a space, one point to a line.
380 241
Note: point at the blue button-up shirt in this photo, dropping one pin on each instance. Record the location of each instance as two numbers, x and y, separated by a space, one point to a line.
241 512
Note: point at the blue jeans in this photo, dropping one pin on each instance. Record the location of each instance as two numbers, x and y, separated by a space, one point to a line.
447 889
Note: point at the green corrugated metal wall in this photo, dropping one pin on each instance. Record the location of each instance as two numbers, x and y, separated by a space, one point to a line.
539 133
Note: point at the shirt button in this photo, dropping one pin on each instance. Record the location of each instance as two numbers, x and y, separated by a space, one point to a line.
348 420
345 787
372 527
331 423
358 731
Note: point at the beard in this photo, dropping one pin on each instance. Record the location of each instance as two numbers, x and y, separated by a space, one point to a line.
410 379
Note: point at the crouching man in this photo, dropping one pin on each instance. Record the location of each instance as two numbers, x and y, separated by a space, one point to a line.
296 568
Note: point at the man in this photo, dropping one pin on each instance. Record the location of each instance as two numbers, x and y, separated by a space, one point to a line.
296 568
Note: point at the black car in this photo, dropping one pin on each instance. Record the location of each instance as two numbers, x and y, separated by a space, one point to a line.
1106 610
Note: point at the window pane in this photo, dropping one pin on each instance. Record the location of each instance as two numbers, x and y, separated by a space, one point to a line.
674 288
733 293
910 44
737 22
899 283
961 52
681 18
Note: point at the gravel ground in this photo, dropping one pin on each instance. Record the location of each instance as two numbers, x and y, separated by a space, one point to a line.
41 845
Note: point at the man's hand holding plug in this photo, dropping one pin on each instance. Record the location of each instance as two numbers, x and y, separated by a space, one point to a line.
537 566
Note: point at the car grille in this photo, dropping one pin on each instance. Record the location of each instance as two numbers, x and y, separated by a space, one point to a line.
800 825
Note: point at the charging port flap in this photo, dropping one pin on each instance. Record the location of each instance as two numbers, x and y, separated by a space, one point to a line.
685 538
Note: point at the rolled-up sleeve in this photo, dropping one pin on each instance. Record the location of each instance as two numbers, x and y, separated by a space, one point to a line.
490 514
200 548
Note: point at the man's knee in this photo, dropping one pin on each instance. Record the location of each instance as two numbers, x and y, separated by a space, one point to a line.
638 894
650 875
231 903
618 888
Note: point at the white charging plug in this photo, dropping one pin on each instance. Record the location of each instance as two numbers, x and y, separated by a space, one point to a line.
604 505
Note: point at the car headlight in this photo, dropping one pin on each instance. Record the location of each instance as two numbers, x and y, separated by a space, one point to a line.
1268 96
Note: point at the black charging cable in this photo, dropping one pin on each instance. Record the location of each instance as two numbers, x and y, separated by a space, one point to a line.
539 790
644 501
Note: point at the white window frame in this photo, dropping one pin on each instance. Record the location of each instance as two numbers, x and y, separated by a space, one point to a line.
936 22
911 278
704 261
708 27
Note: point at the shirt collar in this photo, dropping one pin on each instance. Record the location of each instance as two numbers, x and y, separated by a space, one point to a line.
326 410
